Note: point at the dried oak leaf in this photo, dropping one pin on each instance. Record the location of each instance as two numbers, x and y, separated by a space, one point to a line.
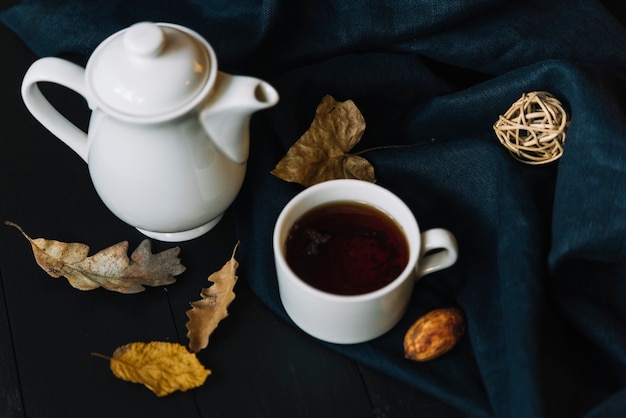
321 153
205 314
110 268
160 366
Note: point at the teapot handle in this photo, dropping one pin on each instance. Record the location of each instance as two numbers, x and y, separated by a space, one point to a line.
67 74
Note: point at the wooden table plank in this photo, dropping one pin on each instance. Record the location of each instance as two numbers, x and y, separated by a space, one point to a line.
10 394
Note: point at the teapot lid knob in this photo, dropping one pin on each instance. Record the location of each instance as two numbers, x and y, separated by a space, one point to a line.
144 39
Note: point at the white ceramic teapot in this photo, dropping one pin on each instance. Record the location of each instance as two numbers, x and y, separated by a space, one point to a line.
168 136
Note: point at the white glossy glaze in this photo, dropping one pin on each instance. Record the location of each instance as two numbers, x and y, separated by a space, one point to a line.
168 162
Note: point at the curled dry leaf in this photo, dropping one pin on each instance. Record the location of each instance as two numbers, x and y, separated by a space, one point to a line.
160 366
110 268
434 334
321 153
205 314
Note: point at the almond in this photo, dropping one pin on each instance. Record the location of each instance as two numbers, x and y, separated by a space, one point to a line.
434 334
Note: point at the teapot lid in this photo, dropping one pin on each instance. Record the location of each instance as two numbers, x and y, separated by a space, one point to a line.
151 71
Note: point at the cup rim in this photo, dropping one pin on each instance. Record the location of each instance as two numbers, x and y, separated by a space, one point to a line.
280 229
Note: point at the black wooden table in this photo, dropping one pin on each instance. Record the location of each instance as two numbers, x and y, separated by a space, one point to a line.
262 367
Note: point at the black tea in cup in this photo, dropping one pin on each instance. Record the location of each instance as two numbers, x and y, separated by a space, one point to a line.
346 248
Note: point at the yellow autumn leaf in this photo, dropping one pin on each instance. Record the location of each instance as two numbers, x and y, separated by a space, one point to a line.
160 366
322 152
205 314
109 268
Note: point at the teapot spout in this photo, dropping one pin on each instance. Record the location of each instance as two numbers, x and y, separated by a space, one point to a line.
226 115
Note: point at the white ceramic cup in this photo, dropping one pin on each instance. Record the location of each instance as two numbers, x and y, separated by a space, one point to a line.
357 318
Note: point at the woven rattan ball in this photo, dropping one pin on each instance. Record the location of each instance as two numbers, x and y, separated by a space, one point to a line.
533 129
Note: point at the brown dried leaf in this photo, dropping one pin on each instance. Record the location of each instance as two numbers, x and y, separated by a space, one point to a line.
160 366
109 268
321 153
205 314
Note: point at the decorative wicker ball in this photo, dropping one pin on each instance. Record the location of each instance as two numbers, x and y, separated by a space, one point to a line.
533 129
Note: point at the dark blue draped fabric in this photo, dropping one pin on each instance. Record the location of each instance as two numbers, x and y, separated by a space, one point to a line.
542 270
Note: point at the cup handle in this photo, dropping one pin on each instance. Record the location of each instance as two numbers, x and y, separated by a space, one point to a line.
65 73
439 251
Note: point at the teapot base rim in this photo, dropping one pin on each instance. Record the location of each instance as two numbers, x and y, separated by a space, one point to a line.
180 236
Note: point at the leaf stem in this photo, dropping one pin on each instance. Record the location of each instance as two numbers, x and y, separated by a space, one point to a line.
382 147
101 356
